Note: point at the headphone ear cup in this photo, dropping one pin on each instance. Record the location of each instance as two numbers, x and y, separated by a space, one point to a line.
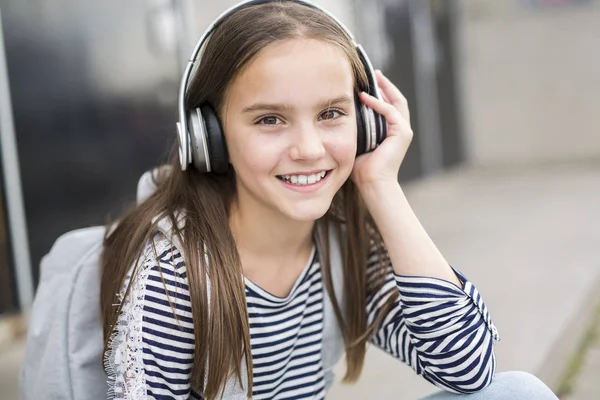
197 145
361 128
381 130
217 148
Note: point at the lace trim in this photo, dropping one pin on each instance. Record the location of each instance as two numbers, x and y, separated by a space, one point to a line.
123 362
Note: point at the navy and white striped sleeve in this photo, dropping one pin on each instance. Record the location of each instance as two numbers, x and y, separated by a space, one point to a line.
153 344
443 332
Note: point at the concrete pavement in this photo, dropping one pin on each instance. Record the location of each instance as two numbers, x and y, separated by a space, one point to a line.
11 358
585 365
529 240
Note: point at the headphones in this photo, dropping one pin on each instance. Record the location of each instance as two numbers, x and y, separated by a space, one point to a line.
201 139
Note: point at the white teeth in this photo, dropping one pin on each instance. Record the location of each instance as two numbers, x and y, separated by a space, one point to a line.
304 179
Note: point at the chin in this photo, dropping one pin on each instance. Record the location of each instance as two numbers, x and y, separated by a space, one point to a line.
307 212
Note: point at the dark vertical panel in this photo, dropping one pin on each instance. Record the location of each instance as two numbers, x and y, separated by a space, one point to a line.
8 293
400 70
449 101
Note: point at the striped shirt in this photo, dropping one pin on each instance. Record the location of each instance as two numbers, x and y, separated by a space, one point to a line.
440 330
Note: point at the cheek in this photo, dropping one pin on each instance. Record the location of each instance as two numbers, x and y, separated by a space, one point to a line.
343 148
250 155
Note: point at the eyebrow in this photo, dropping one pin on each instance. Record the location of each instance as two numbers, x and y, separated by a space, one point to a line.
340 100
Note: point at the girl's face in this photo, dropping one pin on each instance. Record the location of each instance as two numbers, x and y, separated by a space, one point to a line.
290 125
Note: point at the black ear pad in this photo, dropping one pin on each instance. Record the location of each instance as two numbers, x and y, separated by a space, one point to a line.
360 125
217 149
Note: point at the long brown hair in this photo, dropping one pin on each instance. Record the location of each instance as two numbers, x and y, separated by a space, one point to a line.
223 338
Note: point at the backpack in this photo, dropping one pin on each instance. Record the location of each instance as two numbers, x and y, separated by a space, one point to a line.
64 347
63 357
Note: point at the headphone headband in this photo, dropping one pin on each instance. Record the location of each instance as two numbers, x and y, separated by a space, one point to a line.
185 150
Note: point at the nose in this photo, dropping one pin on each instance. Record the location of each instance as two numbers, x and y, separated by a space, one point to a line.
307 143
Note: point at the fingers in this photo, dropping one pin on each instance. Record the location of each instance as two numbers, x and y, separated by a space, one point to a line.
392 94
398 125
384 108
384 97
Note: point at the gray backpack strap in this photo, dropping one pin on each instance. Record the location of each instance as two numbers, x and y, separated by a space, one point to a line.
333 342
86 341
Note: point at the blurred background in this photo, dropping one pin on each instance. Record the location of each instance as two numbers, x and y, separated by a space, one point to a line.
504 169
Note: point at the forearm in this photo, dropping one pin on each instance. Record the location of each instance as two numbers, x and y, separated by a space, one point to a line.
443 332
411 250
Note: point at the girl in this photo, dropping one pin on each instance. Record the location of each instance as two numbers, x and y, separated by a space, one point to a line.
249 273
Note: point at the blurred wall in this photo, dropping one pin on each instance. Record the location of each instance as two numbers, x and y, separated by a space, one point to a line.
531 80
93 93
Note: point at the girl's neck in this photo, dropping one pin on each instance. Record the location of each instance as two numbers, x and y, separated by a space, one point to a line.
266 234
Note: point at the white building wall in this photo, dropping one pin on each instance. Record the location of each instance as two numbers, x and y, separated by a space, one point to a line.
531 82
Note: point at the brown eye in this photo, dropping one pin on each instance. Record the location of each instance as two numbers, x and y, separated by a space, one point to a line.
330 114
269 120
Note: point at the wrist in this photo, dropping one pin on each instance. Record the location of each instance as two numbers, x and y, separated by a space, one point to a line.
379 188
380 195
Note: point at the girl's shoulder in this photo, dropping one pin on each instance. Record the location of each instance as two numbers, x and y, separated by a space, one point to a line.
164 250
161 259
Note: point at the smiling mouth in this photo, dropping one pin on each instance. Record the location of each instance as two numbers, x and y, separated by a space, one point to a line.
304 180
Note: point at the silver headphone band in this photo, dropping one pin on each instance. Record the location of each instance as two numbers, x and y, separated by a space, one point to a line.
248 3
370 70
184 139
183 132
371 139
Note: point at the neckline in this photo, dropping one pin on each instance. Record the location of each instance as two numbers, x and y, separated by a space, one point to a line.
278 299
